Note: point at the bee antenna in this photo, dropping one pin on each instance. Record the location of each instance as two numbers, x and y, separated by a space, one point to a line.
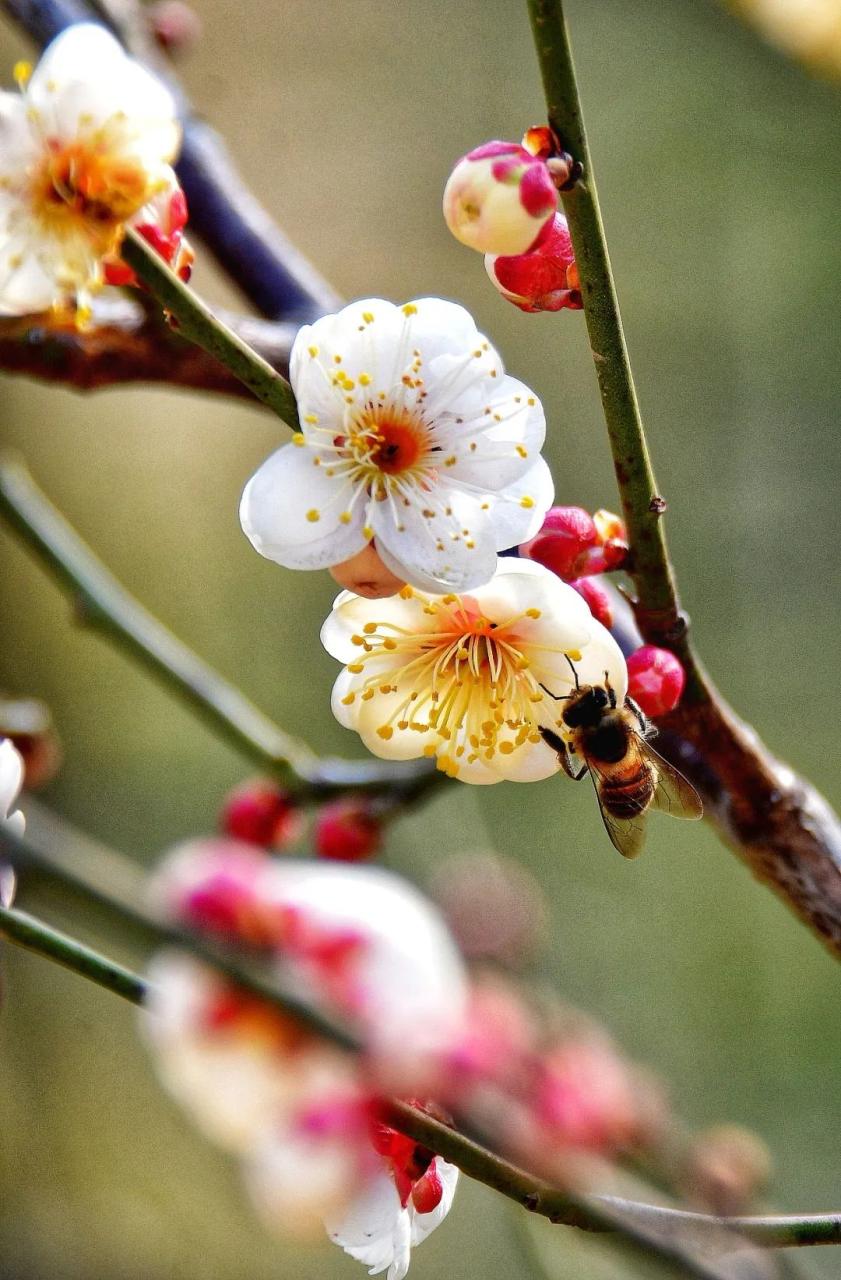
559 697
573 670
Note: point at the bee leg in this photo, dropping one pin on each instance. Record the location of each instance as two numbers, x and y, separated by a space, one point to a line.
557 744
645 727
609 689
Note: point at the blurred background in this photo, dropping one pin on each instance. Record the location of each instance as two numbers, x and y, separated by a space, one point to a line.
717 163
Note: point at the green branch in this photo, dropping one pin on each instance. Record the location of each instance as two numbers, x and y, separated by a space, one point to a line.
675 1234
196 322
43 940
103 604
657 606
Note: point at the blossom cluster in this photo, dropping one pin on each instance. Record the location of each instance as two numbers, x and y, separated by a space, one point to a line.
310 1122
304 1116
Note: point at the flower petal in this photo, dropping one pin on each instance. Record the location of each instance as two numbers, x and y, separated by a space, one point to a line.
85 80
376 1230
518 511
447 545
351 613
296 514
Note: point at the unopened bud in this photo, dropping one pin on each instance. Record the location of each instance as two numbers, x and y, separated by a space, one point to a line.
366 575
728 1166
545 278
597 597
427 1191
562 541
175 25
499 199
261 813
347 831
655 679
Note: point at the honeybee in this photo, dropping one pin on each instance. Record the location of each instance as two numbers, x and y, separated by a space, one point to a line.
629 776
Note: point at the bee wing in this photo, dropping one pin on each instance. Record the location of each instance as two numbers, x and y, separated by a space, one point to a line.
673 793
626 834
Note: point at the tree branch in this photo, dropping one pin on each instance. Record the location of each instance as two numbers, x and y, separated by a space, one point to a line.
125 343
104 605
773 820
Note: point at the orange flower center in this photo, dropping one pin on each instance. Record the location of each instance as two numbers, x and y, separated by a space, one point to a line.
398 446
85 183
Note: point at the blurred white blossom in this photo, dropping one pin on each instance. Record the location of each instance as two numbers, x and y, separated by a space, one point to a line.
85 147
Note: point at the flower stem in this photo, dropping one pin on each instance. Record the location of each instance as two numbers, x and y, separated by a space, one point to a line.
657 606
675 1234
195 321
103 603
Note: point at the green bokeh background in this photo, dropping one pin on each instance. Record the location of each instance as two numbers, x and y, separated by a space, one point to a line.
718 170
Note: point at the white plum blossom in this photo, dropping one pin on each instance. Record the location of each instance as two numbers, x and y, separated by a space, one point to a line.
468 679
381 1232
412 437
85 147
11 781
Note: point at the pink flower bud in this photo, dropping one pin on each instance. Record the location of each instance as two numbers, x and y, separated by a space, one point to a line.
347 831
597 597
585 1096
545 278
563 540
365 575
262 813
499 199
175 25
655 679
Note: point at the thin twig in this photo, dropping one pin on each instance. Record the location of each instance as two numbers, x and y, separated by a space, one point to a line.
104 605
125 343
652 1226
197 322
43 940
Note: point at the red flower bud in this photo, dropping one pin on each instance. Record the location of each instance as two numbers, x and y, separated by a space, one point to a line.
655 679
597 597
261 813
545 278
347 831
563 541
427 1191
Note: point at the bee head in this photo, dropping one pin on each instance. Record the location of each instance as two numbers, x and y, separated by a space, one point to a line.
585 706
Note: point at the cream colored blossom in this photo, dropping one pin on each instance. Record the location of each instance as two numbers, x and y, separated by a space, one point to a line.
467 679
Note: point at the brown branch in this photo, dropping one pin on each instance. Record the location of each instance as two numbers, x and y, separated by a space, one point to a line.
127 343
